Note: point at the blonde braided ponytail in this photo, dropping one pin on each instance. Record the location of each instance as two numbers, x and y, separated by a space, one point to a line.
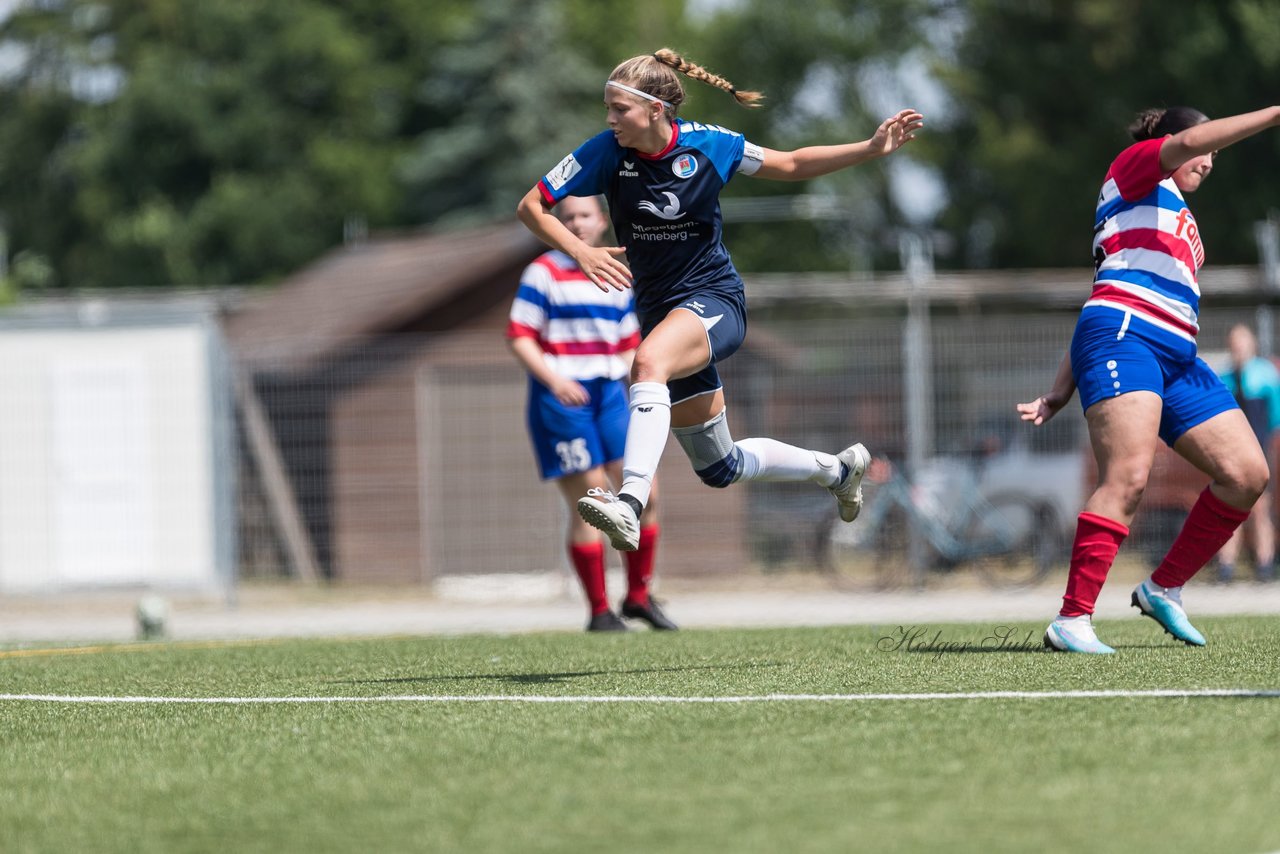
656 74
670 58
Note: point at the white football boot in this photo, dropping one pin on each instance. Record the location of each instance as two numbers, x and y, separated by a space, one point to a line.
848 492
603 510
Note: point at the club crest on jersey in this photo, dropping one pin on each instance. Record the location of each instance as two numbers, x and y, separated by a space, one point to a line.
671 211
684 166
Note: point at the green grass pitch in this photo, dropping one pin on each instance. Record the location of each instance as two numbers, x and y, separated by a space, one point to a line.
1125 774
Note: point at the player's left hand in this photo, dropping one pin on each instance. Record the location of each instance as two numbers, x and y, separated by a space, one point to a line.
896 131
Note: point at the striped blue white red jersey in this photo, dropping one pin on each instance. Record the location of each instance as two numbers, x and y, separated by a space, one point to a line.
581 329
1146 245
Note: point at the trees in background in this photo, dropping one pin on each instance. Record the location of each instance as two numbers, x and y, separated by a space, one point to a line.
1043 93
182 142
828 71
176 142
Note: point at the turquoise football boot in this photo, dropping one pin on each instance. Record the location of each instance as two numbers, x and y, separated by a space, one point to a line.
1165 607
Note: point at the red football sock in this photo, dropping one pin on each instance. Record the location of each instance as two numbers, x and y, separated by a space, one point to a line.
640 565
588 562
1097 541
1209 525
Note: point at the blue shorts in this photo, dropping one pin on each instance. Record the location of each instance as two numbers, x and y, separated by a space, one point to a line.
572 439
1114 352
725 318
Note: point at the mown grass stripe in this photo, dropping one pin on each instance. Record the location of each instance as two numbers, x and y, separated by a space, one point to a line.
146 646
1170 693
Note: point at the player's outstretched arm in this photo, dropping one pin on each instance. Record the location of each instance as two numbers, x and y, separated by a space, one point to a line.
1214 135
601 264
813 161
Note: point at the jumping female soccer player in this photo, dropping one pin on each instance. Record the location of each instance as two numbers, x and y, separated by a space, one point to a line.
663 178
576 342
1133 357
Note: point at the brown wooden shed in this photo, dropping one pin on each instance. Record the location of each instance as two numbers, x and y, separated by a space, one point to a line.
384 420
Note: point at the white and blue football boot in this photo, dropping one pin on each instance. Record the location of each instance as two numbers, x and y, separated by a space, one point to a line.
1074 634
848 491
1164 605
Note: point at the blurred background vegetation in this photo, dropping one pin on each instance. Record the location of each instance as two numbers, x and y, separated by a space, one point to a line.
160 143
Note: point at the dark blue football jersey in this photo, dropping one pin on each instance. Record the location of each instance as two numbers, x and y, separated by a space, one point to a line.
665 207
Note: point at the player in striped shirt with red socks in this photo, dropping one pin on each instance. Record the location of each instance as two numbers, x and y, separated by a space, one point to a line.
576 342
1133 358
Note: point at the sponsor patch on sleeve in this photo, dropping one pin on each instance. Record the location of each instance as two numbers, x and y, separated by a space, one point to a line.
752 158
561 175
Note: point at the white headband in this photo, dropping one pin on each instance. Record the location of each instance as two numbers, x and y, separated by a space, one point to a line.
634 91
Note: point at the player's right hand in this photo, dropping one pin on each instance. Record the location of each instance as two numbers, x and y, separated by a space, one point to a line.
604 267
571 393
1041 409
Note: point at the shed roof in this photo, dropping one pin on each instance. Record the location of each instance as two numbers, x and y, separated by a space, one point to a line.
384 284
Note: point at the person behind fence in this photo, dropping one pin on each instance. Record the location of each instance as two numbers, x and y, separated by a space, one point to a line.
576 343
663 176
1133 358
1255 384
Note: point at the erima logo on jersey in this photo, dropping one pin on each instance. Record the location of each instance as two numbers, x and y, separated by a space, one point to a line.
696 306
684 166
628 170
690 127
566 169
670 212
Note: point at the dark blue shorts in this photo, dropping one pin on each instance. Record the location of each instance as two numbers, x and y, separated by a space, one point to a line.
571 439
1114 352
725 319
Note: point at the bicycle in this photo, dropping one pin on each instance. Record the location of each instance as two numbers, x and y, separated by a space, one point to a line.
940 523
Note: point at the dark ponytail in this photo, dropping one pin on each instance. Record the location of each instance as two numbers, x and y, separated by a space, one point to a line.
1156 123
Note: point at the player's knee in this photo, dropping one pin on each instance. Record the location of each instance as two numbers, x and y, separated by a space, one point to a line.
724 472
1128 483
1254 479
649 366
709 447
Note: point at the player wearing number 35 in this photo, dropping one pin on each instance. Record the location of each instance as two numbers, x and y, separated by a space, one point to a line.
662 176
576 342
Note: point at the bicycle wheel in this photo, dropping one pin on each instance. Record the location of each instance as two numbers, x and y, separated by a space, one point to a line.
1017 540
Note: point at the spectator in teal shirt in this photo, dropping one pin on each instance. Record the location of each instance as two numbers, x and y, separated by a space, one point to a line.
1255 383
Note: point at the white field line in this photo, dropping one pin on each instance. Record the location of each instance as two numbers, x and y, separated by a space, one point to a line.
757 698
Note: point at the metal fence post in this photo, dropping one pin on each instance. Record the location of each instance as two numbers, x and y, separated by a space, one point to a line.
1267 235
917 262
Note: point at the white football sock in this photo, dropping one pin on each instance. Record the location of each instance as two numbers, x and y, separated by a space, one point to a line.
771 460
646 437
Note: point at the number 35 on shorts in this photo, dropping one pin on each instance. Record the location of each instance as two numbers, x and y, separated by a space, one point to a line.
574 456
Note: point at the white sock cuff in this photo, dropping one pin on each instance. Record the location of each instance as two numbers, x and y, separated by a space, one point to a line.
650 394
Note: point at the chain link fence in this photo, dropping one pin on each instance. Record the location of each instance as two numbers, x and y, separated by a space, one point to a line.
406 459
